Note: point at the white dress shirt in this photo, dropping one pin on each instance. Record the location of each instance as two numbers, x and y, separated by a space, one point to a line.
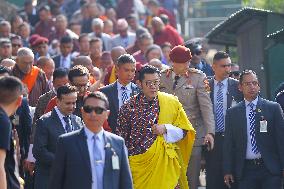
96 176
119 92
65 62
60 115
249 153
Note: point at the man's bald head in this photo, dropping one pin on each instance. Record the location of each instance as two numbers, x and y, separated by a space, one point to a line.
47 65
157 24
117 52
121 24
84 61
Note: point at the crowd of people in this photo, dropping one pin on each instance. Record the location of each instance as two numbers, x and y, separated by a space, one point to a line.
106 94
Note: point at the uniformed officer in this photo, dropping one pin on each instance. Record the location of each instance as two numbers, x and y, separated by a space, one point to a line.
192 89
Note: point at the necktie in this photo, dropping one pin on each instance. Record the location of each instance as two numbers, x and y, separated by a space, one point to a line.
124 95
68 127
252 128
219 109
98 159
176 82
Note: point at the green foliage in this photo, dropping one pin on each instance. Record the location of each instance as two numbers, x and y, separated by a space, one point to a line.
273 5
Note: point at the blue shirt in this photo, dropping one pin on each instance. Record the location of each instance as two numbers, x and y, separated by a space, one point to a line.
97 174
249 153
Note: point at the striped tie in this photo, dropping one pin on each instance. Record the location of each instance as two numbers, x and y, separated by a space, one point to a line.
124 95
68 127
219 109
252 128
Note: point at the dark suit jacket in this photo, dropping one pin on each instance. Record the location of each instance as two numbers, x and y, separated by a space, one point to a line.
48 129
112 94
24 127
233 92
270 144
56 60
72 168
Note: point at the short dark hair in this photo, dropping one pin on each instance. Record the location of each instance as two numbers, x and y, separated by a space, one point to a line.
164 18
10 89
77 71
66 39
145 35
148 70
45 8
166 44
220 55
97 95
82 35
95 39
65 89
60 73
246 72
125 59
14 36
4 70
154 3
153 47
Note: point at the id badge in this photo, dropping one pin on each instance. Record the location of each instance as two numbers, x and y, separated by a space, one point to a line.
263 126
115 162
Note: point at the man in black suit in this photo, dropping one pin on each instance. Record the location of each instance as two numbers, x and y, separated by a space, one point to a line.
121 90
49 127
91 157
224 94
65 58
253 145
11 90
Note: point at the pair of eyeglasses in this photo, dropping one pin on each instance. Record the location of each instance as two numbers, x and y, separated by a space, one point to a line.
97 110
152 83
253 83
235 73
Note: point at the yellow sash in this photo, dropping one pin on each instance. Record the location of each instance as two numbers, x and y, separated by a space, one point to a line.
164 165
112 77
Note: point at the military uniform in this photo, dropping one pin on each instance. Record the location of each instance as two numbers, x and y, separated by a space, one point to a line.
192 90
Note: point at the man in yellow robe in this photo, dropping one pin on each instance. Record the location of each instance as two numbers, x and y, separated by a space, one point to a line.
158 135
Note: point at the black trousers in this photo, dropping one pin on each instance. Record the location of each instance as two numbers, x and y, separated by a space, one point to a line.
257 176
214 165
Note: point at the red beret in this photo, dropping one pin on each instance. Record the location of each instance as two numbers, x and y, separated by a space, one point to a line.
33 38
40 40
180 54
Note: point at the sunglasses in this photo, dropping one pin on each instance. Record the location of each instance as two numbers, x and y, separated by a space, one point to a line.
90 109
235 73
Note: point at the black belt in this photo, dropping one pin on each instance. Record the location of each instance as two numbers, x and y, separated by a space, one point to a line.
258 161
220 134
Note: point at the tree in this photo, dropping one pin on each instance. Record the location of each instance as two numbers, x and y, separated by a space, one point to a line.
273 5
